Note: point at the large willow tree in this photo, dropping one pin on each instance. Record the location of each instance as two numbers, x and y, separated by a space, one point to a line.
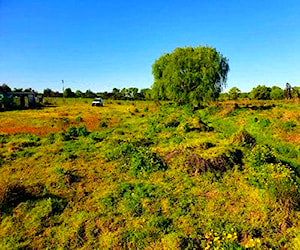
190 75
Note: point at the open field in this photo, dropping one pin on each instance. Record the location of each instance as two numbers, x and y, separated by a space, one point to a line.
147 175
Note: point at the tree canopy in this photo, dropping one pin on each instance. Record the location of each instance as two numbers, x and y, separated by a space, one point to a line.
261 92
234 93
190 75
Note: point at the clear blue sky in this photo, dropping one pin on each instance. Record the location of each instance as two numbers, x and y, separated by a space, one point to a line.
100 44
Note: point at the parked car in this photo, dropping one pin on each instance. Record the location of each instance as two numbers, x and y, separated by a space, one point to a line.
97 102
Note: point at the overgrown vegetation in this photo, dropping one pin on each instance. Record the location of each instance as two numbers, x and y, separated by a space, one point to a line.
149 175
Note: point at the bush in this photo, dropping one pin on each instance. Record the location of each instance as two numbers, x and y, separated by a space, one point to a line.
96 136
260 155
289 125
82 131
103 124
73 133
172 124
145 161
78 119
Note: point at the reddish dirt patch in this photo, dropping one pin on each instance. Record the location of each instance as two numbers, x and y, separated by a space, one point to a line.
26 129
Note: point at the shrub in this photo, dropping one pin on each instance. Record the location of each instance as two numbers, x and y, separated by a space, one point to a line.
96 136
172 124
78 119
51 138
82 131
145 161
162 223
66 177
261 154
264 122
72 132
289 125
132 194
103 124
133 239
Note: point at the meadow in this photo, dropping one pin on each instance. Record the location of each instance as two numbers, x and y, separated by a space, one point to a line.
150 175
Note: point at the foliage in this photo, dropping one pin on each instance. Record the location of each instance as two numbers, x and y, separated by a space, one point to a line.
276 93
190 75
261 92
168 177
234 93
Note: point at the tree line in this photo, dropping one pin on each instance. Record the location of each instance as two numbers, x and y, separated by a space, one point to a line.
262 92
115 94
190 75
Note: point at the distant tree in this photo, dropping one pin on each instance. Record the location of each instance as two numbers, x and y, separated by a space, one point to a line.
296 92
223 97
244 95
116 94
5 88
146 94
124 93
68 93
261 92
48 92
234 93
78 93
29 90
133 93
190 75
89 94
276 93
17 89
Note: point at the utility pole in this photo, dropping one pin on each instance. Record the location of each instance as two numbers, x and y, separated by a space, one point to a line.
63 89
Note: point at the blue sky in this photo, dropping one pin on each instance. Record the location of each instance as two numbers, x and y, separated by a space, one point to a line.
99 45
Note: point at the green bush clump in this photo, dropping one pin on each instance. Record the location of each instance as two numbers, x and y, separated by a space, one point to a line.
264 122
66 177
134 239
289 125
51 138
161 223
145 161
261 154
96 136
128 197
133 194
172 124
78 119
103 124
117 151
73 133
82 131
4 138
279 181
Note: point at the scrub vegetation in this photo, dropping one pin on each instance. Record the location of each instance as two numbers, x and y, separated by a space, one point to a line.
150 175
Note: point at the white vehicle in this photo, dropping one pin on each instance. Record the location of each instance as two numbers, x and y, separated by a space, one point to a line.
97 102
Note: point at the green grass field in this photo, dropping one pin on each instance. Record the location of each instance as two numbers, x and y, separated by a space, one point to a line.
149 175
